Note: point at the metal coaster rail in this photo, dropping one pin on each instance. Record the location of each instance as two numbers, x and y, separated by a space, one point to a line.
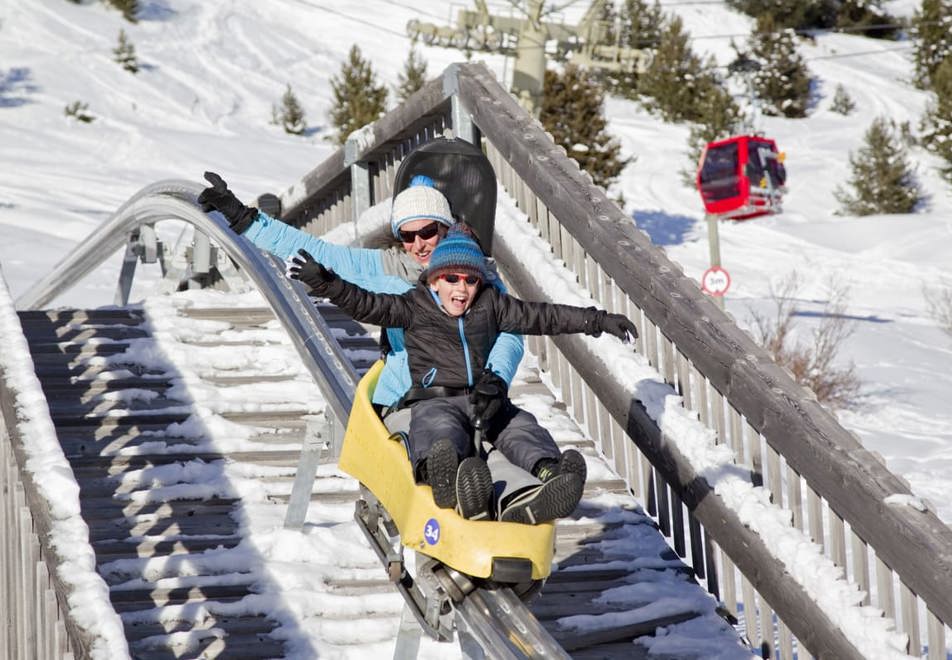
834 490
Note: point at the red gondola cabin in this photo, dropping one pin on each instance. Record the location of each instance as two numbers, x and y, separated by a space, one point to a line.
741 177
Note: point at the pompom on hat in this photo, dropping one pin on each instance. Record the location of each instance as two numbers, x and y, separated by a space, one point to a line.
458 252
419 201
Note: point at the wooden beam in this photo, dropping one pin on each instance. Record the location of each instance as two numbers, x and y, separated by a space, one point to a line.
80 641
809 438
746 549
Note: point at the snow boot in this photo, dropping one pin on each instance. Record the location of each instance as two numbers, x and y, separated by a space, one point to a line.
474 488
441 466
570 462
555 498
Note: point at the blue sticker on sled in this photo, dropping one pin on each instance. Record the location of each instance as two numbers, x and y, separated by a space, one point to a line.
431 532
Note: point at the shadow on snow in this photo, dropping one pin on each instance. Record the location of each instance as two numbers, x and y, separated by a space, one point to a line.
664 228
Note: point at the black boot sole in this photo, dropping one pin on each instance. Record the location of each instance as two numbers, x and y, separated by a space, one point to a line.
441 466
572 462
554 499
474 487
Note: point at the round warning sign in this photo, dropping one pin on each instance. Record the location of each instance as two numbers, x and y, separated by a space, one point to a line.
715 281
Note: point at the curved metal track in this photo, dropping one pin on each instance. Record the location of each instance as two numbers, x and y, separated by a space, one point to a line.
493 620
175 200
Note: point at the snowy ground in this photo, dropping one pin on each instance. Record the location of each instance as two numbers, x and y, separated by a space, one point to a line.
211 72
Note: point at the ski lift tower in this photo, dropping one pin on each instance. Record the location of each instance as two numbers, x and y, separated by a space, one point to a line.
740 178
526 38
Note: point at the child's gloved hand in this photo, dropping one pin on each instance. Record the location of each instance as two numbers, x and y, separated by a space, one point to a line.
489 396
614 324
304 268
217 197
620 326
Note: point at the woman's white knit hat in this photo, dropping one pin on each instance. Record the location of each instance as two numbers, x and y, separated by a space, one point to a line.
419 201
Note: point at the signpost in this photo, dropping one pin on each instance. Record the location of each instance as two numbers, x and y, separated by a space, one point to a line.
720 280
715 282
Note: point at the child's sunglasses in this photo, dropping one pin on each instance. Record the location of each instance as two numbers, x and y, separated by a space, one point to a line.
453 278
425 233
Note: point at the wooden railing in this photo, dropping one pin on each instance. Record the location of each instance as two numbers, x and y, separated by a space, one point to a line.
31 621
32 595
834 489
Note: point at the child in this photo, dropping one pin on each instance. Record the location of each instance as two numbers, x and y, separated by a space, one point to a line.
450 320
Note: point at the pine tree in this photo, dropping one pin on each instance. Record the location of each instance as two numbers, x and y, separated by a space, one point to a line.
640 26
783 83
799 15
882 180
129 8
607 32
290 115
932 35
937 123
823 14
869 14
842 103
572 111
676 82
125 53
358 98
413 75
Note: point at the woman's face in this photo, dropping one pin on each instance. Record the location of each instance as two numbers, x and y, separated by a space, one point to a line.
456 291
418 247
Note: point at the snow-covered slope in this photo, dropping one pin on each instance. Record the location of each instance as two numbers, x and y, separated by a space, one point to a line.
886 262
212 71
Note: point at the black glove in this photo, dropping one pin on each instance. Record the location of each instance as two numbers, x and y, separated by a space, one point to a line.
489 397
219 198
303 267
614 324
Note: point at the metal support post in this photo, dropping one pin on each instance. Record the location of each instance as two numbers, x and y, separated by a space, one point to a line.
360 189
528 72
361 198
128 271
149 244
142 246
468 645
714 243
408 636
201 255
463 126
317 435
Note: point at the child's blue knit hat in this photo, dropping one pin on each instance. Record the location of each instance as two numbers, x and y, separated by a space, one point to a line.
419 201
458 252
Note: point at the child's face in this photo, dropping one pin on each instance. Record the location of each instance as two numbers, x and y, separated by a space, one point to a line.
456 291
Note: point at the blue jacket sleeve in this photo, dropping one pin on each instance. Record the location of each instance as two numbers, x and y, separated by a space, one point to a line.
505 356
507 351
357 265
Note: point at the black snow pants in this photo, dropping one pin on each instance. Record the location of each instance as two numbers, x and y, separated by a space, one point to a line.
514 432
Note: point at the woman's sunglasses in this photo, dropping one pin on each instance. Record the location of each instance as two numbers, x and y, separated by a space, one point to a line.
425 233
453 278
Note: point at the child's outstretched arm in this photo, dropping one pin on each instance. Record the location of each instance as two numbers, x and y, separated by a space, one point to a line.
539 318
378 308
